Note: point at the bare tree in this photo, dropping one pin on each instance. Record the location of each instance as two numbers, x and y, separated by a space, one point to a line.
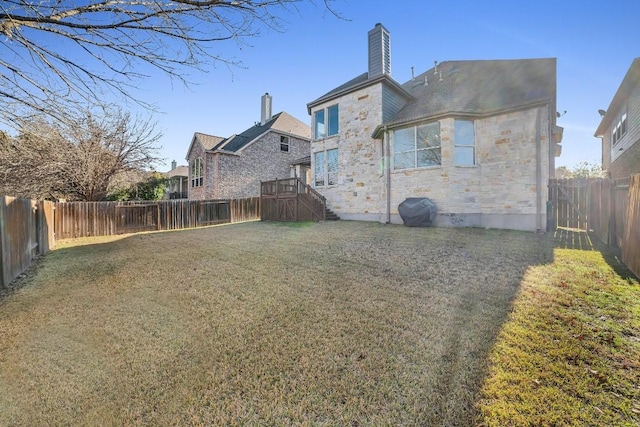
79 161
64 51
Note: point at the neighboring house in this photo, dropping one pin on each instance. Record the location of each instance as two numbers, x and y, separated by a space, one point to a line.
233 167
619 128
177 182
476 137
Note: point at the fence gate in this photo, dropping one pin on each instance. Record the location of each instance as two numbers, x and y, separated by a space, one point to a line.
569 203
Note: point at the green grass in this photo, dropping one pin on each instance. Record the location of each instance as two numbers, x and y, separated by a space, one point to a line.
569 354
337 323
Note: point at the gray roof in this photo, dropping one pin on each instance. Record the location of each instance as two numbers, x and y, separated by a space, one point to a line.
473 88
630 79
356 83
478 88
281 122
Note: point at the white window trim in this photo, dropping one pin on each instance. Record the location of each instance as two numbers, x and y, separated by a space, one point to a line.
415 150
325 111
325 172
456 145
284 141
199 178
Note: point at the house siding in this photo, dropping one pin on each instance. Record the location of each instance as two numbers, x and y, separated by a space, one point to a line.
392 102
359 191
235 176
624 159
500 191
198 193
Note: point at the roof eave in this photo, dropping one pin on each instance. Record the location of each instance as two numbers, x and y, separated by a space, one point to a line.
630 78
383 78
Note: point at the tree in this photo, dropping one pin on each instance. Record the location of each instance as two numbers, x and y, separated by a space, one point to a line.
150 188
586 170
77 161
67 52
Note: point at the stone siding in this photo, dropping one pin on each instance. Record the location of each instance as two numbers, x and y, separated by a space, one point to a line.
360 181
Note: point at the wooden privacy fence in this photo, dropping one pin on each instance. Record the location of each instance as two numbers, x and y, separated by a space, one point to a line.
26 230
290 199
82 219
609 208
615 216
569 203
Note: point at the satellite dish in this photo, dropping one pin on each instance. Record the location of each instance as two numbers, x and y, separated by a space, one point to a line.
602 113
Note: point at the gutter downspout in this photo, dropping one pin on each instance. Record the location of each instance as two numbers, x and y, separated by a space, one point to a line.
538 172
387 170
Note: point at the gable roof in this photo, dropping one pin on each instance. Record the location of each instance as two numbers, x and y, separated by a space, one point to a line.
281 122
207 142
356 83
631 79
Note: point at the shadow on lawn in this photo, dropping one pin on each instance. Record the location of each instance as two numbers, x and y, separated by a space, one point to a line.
568 238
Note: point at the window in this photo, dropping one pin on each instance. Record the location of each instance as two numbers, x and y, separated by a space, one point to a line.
329 127
319 169
284 143
319 131
619 129
196 172
326 168
416 146
465 143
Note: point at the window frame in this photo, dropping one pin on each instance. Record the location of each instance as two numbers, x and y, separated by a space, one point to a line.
330 122
457 145
284 143
325 172
196 172
620 129
416 148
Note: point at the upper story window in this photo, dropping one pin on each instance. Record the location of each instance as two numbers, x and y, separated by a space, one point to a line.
326 122
196 172
465 143
284 143
416 146
619 129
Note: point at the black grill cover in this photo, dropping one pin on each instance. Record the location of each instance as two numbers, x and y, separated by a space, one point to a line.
417 211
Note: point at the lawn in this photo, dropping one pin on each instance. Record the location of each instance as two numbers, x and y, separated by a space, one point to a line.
336 323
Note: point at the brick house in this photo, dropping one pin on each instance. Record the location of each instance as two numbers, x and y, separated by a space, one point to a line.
177 182
476 137
619 128
232 168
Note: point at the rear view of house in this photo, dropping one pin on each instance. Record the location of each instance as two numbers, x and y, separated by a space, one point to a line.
478 138
233 167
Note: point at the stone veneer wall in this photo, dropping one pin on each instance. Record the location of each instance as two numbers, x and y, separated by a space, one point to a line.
500 191
359 193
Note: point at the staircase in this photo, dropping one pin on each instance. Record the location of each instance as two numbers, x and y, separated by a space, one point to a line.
330 215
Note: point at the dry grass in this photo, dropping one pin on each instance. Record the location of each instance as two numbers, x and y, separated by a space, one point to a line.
261 324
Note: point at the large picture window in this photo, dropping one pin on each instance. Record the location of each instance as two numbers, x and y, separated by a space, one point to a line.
465 143
326 122
416 146
196 172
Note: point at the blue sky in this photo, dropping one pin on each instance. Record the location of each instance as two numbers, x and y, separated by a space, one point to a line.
593 41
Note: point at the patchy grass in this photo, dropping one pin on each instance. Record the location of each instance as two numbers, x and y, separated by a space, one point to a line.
337 323
569 353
